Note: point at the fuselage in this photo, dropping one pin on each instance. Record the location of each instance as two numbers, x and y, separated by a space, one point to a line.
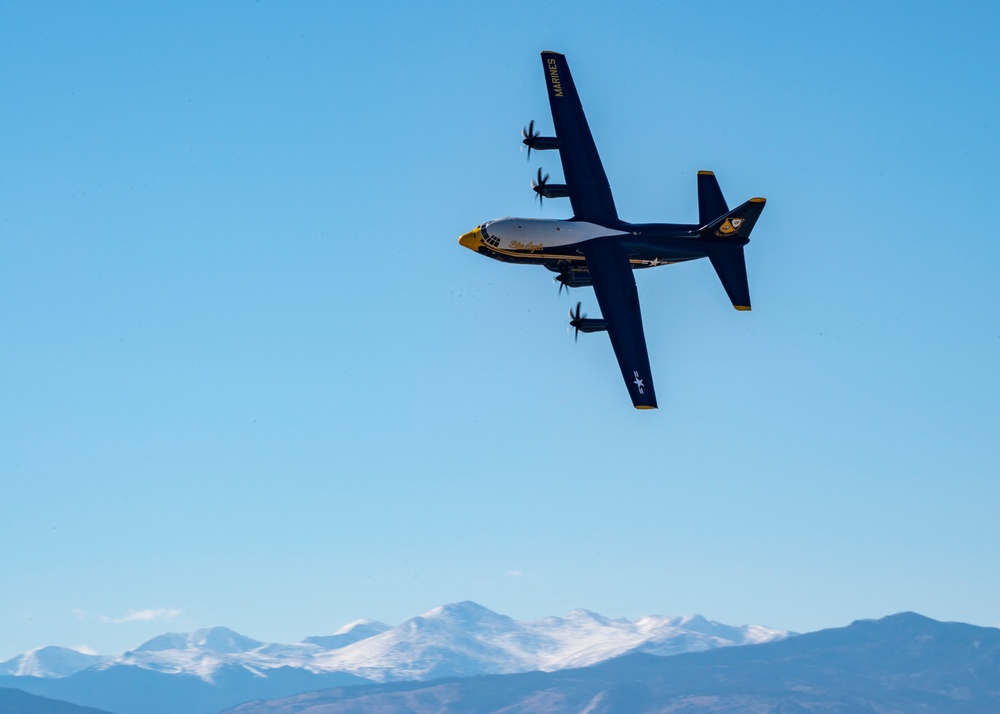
555 243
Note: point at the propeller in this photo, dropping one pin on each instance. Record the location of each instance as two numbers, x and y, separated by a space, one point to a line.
563 279
539 186
574 321
528 136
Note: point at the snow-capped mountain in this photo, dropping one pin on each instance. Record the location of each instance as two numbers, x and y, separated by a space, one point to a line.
200 672
217 640
349 634
465 639
901 663
202 652
460 639
50 662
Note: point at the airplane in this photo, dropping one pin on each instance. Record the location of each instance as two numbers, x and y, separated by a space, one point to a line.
597 248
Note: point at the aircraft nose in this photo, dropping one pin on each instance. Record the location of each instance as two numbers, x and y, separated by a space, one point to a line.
471 240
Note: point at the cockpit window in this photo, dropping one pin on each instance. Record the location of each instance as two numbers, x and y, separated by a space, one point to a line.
490 240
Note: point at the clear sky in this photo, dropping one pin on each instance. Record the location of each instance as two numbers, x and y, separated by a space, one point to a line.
248 377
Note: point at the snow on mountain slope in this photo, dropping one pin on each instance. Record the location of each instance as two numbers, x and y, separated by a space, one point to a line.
349 634
220 640
465 639
460 639
203 652
50 662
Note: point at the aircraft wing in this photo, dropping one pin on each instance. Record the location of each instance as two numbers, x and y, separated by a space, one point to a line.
589 191
614 285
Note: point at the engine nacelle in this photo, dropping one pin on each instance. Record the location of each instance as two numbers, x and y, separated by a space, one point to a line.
582 323
575 278
552 190
571 276
589 324
541 143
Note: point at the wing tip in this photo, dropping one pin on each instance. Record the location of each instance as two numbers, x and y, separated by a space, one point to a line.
645 406
758 200
742 308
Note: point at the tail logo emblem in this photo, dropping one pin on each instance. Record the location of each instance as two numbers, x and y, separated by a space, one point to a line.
730 226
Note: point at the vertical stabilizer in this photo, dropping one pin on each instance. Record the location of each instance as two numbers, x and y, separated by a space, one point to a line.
711 203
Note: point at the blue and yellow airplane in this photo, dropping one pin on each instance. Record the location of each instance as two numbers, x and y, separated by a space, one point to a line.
597 248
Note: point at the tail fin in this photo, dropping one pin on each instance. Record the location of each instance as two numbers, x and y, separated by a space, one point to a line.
736 224
711 204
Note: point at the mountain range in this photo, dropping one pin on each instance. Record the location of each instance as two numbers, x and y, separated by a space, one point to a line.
14 701
206 670
50 662
897 665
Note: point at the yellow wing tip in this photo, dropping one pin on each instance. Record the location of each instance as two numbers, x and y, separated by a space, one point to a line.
742 308
706 173
644 406
758 200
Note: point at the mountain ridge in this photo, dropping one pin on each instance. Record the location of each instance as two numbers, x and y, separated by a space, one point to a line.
901 663
216 667
17 701
50 661
455 639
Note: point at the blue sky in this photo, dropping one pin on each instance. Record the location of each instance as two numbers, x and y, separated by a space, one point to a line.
249 377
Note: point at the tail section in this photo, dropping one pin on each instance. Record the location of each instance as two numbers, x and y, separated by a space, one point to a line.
729 233
711 204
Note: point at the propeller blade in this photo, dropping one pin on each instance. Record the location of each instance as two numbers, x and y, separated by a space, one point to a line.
528 136
539 185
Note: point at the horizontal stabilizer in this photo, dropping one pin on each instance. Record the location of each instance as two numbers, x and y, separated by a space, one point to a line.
735 225
731 267
711 204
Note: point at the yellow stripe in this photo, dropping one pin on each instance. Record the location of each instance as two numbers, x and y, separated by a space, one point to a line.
518 254
554 256
706 173
758 200
644 406
742 308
